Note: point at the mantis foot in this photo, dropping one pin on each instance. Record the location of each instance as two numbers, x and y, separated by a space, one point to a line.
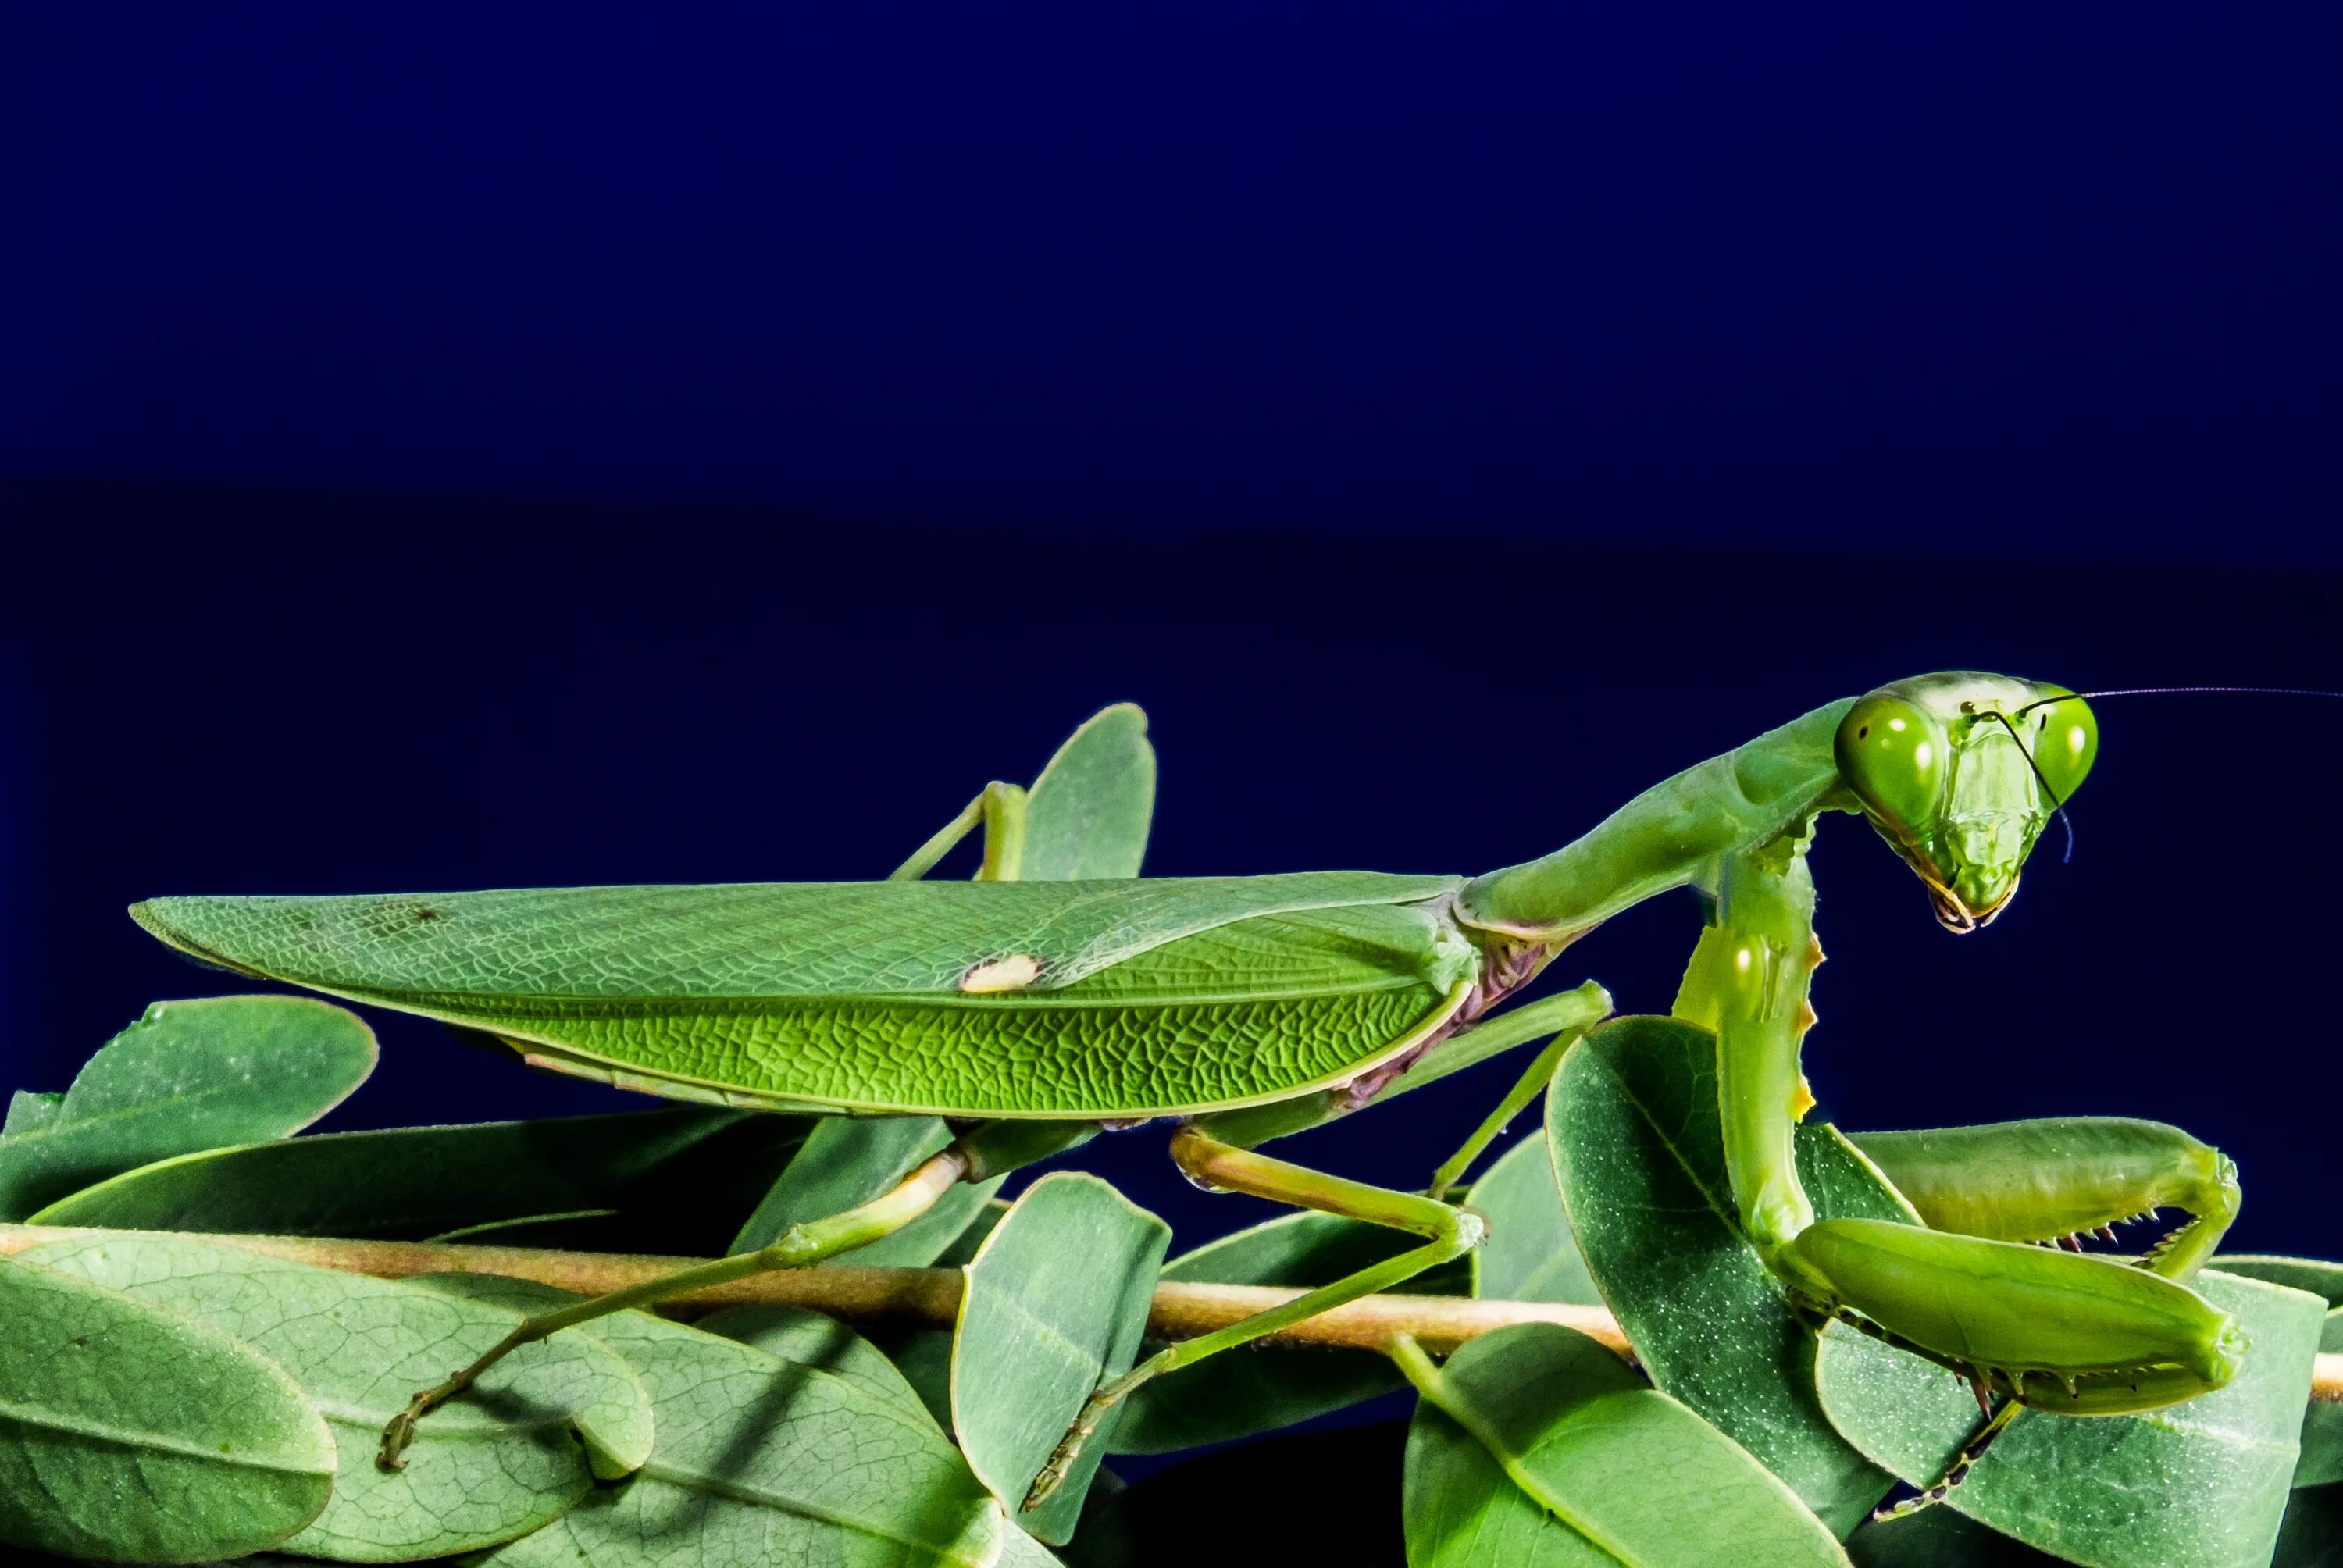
400 1430
1061 1458
1965 1461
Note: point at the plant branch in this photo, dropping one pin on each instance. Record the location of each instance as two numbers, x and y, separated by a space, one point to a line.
931 1297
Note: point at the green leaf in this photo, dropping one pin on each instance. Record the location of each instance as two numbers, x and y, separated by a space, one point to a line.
1263 1388
1055 1304
493 1463
131 1432
923 1356
1531 1254
1543 1448
2197 1486
28 1111
845 1160
963 1249
758 1459
1632 1121
189 1075
1301 1497
1087 816
1018 1549
664 1180
810 1339
2322 1422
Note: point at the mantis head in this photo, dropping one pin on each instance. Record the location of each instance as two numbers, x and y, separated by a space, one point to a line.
1960 772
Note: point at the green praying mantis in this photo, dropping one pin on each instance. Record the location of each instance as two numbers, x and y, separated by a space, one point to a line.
1054 995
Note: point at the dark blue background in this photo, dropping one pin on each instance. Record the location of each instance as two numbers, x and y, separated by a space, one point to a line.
451 447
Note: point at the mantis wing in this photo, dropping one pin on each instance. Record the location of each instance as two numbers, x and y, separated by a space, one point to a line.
1139 998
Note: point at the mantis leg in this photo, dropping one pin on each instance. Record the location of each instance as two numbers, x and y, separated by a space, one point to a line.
979 1154
2082 1335
1000 809
1567 1015
1526 1088
1449 1232
2060 1178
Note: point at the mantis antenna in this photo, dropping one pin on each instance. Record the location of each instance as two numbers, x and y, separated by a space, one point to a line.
2059 805
2172 690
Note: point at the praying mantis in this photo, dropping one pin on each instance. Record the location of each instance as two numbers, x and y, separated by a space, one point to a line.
1035 1012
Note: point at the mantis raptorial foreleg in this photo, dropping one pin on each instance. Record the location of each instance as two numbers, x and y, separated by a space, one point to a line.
2076 1333
2061 1178
2051 1180
2084 1335
1449 1232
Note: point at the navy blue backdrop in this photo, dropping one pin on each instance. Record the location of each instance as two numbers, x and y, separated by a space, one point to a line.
451 447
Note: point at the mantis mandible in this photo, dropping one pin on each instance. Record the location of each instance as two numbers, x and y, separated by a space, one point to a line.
1034 1012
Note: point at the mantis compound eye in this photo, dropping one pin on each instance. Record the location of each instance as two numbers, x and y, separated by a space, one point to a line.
2063 738
1895 756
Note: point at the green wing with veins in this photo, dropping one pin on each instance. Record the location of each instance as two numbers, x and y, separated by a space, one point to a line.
1144 996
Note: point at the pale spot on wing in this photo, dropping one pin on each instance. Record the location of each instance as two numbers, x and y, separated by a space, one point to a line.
1015 972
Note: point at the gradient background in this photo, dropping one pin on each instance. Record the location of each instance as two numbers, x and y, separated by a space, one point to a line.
447 447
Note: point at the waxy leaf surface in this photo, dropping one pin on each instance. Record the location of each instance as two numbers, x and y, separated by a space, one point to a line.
1263 1388
2322 1421
650 1180
2202 1484
1573 1461
491 1464
1055 1303
757 1459
132 1432
187 1076
1531 1254
1631 1121
808 1339
1087 816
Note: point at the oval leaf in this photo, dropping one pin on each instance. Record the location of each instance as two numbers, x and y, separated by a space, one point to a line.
1632 1120
661 1181
1087 816
1531 1254
761 1459
189 1075
493 1463
1570 1459
1055 1304
1267 1386
810 1339
2198 1486
2322 1422
131 1432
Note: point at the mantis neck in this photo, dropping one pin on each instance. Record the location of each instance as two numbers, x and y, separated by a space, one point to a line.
1679 831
